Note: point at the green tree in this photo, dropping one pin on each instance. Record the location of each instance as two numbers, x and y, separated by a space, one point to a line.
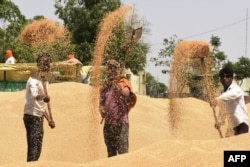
12 22
153 87
218 56
165 55
162 87
117 49
241 69
83 20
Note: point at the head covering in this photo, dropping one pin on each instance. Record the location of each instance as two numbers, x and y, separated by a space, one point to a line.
43 62
71 56
114 70
113 63
8 53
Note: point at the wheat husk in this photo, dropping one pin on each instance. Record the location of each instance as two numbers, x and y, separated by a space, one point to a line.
43 31
193 49
184 54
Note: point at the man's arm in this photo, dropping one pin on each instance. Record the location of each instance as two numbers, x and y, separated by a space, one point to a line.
50 122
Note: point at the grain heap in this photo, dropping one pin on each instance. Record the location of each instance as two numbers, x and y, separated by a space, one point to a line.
43 31
51 37
151 142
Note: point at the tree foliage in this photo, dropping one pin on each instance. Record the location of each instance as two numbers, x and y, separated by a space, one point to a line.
241 69
218 56
153 87
165 55
12 21
118 49
83 20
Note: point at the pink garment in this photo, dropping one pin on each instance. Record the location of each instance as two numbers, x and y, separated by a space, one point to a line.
116 106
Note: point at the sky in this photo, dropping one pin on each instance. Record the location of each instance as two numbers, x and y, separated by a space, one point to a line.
188 19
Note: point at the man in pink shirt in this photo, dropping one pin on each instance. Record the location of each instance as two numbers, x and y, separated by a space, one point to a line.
115 103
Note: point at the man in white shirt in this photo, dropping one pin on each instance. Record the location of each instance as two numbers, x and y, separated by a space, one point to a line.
233 98
9 57
72 59
35 108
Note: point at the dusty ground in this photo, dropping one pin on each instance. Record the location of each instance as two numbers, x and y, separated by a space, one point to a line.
77 140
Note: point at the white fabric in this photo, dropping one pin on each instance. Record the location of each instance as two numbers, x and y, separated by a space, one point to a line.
10 60
234 101
32 106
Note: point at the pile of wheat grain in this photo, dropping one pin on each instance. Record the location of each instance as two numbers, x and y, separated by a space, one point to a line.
197 143
43 31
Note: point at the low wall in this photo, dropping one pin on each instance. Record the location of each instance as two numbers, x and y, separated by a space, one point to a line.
14 76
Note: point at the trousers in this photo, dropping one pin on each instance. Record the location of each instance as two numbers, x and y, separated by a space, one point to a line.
241 128
34 135
116 138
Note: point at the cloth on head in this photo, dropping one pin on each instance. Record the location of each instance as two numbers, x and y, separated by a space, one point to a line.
113 62
71 56
8 53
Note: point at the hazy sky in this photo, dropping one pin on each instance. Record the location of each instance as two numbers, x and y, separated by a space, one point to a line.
188 19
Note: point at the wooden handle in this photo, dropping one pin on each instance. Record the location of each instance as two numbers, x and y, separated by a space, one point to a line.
48 104
206 81
102 121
